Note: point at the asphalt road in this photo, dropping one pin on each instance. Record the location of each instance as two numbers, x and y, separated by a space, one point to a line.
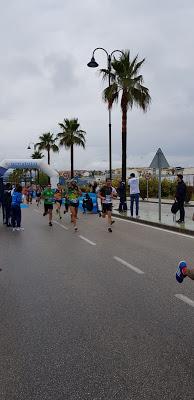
93 315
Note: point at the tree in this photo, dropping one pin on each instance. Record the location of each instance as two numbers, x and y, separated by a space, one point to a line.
16 176
126 81
47 142
36 156
71 135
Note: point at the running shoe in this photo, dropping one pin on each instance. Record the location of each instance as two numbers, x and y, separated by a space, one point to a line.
50 224
44 214
76 228
13 230
109 230
180 271
112 222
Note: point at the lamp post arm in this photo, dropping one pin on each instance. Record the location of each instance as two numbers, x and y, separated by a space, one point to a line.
117 51
100 48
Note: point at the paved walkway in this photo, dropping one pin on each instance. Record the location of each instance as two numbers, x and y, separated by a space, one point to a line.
148 210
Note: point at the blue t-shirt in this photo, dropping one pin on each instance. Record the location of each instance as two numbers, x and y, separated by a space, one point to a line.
16 199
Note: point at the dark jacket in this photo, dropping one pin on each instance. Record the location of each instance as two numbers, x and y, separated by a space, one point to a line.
181 190
121 190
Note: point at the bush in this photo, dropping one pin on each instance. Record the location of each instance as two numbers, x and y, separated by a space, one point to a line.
189 193
143 188
165 188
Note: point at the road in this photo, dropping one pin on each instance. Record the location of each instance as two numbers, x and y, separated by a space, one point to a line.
93 315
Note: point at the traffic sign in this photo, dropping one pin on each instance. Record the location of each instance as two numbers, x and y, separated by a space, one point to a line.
159 160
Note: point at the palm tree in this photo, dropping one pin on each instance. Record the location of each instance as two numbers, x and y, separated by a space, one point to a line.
47 142
36 156
71 136
127 82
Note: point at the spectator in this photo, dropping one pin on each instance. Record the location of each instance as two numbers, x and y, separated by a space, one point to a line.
7 203
121 192
15 208
180 197
94 186
134 193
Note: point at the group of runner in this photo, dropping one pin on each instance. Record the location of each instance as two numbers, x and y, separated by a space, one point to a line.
70 196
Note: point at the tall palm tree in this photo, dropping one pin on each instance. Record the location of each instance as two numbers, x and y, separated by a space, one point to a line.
127 83
71 135
47 142
36 156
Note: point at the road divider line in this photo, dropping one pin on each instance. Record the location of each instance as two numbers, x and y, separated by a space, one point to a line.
126 264
186 299
87 240
37 211
61 225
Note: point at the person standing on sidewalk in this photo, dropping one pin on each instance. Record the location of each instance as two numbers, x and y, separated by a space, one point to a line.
121 193
134 193
180 196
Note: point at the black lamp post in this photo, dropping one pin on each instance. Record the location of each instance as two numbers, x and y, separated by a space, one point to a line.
29 148
94 64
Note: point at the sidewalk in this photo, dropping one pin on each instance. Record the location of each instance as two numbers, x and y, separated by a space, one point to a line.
148 212
164 201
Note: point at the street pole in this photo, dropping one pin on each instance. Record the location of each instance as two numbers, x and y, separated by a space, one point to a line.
110 124
159 186
94 64
147 189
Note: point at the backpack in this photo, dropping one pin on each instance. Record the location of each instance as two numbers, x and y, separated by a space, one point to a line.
175 207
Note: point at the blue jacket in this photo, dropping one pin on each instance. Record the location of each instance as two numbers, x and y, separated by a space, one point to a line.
16 199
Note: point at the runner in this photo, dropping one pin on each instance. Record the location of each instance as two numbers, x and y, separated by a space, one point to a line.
106 194
38 196
66 201
73 194
48 195
183 271
58 199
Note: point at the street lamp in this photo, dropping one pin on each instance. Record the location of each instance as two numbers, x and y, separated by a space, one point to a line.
34 144
94 64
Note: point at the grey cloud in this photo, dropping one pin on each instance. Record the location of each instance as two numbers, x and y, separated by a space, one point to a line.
61 71
46 45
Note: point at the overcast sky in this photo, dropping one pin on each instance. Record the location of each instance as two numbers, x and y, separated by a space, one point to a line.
44 78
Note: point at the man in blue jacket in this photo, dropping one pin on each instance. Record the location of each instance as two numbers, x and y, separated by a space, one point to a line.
15 208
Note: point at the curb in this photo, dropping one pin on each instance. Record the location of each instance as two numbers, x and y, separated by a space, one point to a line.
156 224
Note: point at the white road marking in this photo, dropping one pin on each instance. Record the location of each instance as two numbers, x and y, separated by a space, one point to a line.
126 264
87 240
185 299
62 226
54 222
37 211
155 227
